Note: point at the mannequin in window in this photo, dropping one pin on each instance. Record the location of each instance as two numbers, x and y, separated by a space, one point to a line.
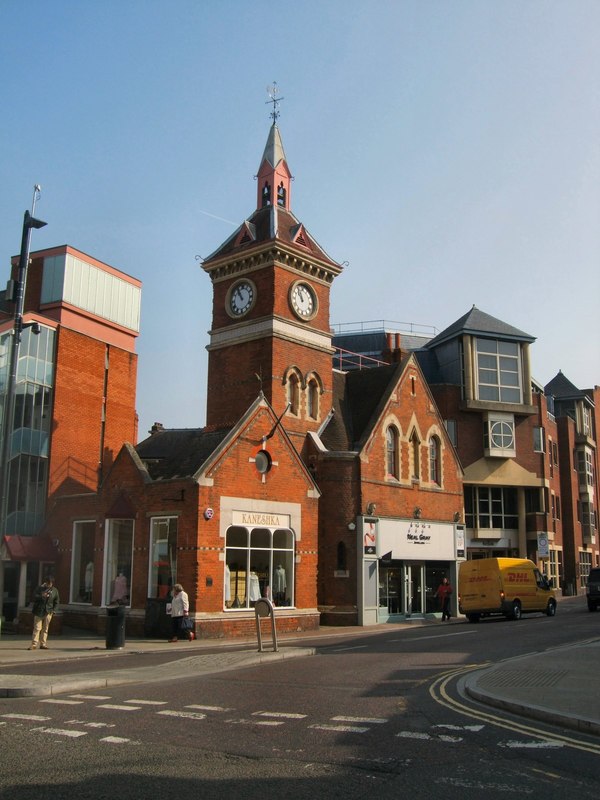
279 585
120 591
227 587
253 588
88 580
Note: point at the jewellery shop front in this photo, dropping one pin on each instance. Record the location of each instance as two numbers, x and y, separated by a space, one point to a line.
401 564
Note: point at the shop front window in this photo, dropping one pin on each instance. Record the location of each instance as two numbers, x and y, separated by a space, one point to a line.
117 568
82 562
259 562
163 556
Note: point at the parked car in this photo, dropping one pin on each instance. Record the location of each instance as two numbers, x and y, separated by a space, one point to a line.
593 589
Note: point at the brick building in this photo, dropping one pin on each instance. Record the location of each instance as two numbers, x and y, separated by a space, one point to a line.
74 400
331 492
528 452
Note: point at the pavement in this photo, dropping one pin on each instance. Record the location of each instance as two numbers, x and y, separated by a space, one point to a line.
560 686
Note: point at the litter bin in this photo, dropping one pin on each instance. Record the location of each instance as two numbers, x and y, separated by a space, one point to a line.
115 627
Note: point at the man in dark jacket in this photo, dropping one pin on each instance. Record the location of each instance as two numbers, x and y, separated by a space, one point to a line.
45 601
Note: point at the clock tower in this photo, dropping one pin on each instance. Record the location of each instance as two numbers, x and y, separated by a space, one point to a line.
270 324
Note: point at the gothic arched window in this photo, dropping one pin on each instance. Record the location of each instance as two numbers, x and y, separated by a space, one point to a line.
281 194
266 195
392 452
434 460
294 393
415 446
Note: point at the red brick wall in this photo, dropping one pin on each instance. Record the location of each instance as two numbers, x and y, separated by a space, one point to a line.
77 410
200 544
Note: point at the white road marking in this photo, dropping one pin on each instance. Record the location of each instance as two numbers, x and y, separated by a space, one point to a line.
91 696
63 702
62 732
278 714
268 722
340 728
373 720
344 649
27 717
118 740
413 735
443 737
115 707
209 708
475 728
148 702
531 745
90 724
182 714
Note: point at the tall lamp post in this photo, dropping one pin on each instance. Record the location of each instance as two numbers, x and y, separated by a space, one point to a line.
29 222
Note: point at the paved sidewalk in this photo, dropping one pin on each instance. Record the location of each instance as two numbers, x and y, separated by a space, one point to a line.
560 686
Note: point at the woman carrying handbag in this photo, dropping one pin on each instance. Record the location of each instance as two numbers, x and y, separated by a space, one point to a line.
181 624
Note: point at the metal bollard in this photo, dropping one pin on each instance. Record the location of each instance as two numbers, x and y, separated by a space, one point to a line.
265 608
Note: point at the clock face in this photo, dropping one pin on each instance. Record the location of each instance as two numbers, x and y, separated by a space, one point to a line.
241 298
303 300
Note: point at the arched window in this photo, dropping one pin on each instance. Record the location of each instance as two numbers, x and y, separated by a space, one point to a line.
266 195
434 460
294 393
312 399
281 195
391 452
415 445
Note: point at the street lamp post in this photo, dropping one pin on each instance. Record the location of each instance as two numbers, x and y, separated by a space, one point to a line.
29 222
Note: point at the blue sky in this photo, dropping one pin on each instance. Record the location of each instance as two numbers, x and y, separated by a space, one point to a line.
448 150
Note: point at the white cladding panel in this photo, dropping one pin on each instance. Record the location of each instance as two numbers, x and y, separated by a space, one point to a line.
416 539
86 286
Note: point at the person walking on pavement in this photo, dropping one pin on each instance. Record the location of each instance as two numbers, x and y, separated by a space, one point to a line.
180 607
443 595
45 601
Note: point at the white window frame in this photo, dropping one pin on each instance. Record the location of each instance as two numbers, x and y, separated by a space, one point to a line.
497 441
492 371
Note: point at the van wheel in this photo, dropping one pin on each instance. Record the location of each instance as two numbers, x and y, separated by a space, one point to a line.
516 610
551 608
472 617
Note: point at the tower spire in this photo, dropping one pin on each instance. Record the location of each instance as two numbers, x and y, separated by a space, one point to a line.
273 177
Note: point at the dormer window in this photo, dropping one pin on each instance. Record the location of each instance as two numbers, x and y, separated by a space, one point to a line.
498 371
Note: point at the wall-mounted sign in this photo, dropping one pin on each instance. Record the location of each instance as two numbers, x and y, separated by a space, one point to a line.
543 547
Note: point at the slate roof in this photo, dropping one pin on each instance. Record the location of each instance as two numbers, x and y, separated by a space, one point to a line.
358 397
271 223
561 386
479 323
178 452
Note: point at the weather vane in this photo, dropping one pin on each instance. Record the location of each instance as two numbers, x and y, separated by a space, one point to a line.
273 92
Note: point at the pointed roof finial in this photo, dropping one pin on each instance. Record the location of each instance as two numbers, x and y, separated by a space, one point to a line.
273 92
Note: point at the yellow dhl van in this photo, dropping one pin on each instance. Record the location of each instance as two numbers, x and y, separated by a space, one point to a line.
509 586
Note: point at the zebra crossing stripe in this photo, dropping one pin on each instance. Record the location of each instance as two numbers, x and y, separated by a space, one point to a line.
278 715
340 728
182 714
62 732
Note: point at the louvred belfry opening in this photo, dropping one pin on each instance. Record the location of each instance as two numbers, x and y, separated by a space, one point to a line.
274 177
